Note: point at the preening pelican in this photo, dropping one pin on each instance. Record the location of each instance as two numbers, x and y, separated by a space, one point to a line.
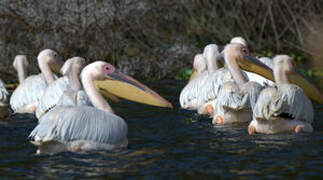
283 107
4 107
26 96
73 128
70 71
235 99
189 94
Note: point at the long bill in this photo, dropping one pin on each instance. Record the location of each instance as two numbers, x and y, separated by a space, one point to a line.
253 65
124 86
309 88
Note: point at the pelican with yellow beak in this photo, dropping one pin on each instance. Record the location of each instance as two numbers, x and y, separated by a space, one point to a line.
235 99
283 107
26 96
75 128
210 87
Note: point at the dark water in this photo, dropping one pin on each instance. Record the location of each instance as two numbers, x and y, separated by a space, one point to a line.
169 144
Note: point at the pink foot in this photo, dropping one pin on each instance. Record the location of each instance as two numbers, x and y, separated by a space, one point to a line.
219 120
298 129
251 130
209 109
75 149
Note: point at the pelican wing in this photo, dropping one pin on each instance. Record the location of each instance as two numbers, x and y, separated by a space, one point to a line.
284 99
72 98
188 96
3 94
28 92
210 89
230 97
82 123
51 95
253 89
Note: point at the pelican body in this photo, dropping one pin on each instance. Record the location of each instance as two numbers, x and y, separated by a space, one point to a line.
26 96
72 128
235 99
4 110
283 107
190 93
70 71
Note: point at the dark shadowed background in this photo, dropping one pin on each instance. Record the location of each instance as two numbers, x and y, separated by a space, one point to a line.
152 39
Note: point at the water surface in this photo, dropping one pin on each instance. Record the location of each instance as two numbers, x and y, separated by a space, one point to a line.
167 143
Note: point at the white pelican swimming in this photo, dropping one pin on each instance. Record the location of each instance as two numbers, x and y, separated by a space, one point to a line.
73 128
189 94
4 107
283 107
70 71
235 99
254 76
210 88
26 96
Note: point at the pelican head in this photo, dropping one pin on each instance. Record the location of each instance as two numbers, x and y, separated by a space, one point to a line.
20 60
20 64
211 54
239 40
76 63
108 79
48 57
285 64
199 66
239 54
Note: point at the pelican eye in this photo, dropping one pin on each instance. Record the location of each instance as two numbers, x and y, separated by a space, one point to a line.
244 50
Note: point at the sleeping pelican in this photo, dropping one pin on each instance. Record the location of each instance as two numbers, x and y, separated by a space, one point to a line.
4 110
74 128
283 107
27 95
189 94
235 99
70 70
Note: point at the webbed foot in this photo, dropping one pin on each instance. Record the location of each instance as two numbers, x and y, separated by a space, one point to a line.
298 129
251 130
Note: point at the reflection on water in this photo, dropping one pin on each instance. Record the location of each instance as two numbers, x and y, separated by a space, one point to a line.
167 143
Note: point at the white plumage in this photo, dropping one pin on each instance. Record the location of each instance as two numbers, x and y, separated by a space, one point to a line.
73 125
56 89
189 94
282 107
26 96
83 127
3 94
